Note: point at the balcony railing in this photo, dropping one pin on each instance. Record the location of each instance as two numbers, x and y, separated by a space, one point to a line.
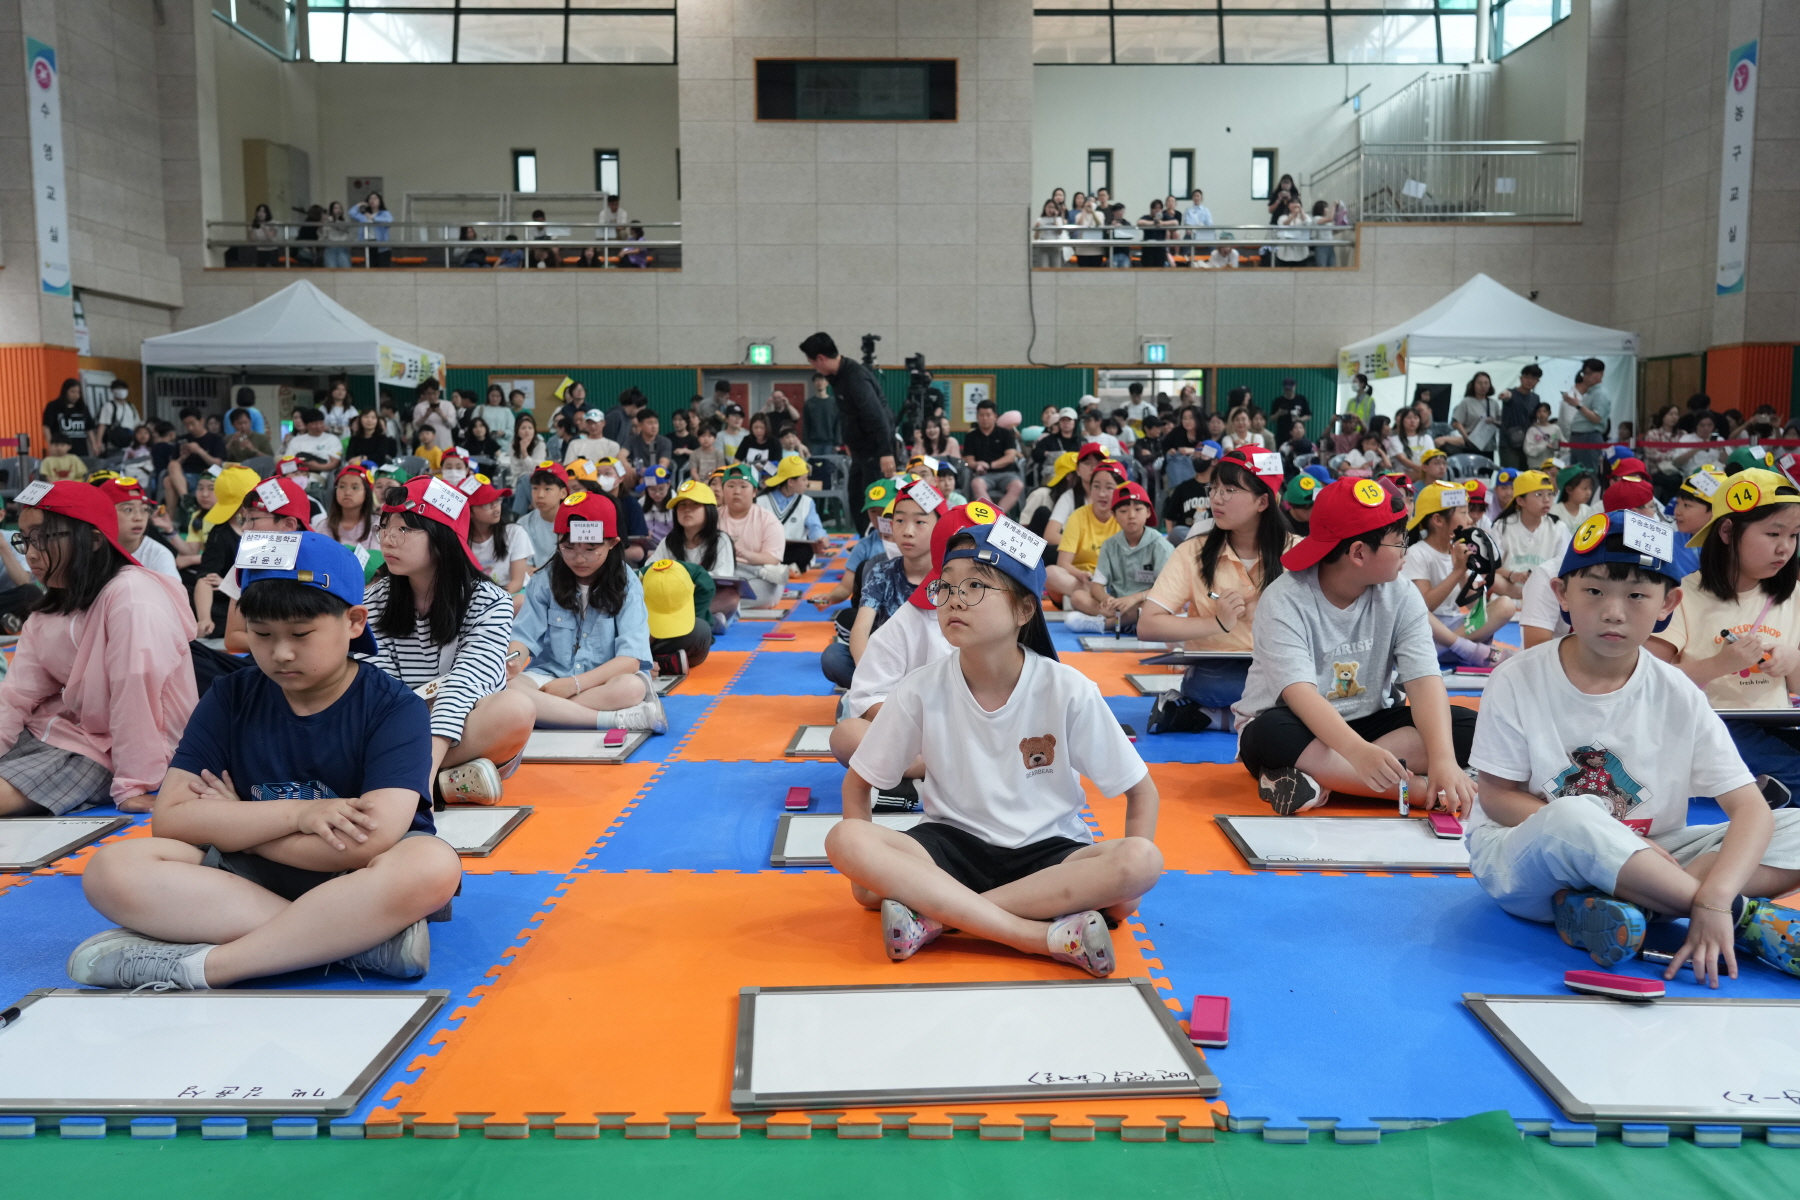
520 245
1537 182
1197 246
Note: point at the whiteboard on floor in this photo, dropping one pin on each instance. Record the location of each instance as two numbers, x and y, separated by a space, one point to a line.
955 1043
667 683
1187 658
1708 1060
581 746
1343 844
1054 615
27 843
800 837
1457 681
1154 685
298 1052
1101 642
760 614
476 832
810 741
1761 716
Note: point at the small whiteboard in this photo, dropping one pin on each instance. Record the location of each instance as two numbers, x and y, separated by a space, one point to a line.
810 741
224 1051
1761 716
476 832
800 837
1343 844
926 1043
761 614
581 746
1707 1060
1154 685
1097 642
667 683
1187 658
1456 681
27 843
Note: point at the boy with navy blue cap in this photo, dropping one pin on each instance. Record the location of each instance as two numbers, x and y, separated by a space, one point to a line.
1006 732
1589 748
294 825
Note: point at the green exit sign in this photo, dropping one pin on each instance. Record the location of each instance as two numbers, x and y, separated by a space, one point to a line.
762 354
1156 352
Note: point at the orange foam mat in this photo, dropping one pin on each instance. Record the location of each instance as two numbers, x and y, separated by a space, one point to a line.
1109 668
753 728
1189 796
809 636
76 863
622 1008
714 675
572 806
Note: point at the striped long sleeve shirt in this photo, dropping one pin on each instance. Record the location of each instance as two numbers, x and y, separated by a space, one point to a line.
474 665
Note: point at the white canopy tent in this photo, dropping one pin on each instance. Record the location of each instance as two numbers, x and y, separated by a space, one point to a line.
297 329
1485 326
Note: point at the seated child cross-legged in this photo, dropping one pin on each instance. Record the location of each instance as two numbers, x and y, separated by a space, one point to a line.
294 826
583 635
1438 565
1337 636
1130 560
1005 731
1588 749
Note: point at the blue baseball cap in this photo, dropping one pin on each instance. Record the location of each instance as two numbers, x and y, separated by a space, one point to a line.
1211 451
319 562
983 551
1600 539
656 474
1505 475
1320 472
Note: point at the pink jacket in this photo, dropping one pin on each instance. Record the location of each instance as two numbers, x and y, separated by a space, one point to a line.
755 530
114 684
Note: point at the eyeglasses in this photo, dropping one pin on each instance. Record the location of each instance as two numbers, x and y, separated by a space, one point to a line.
968 594
1399 545
395 533
1224 491
37 541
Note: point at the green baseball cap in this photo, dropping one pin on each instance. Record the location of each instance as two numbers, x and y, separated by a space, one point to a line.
877 494
1746 458
1302 489
1570 474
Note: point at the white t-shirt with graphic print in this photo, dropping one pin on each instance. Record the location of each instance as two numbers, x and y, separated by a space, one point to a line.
1010 777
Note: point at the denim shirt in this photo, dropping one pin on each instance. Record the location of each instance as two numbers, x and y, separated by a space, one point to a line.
564 644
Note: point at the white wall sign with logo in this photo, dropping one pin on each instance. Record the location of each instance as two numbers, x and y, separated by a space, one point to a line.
1734 172
49 195
407 367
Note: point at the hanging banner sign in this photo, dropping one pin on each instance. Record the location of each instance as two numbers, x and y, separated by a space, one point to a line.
1734 172
49 196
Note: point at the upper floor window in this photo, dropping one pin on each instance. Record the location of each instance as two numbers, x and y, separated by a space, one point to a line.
1256 31
488 31
1518 21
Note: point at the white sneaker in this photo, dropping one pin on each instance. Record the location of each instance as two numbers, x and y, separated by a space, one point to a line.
474 782
119 958
1080 622
1081 938
645 714
406 955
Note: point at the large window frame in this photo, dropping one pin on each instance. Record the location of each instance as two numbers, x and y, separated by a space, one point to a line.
1560 11
334 19
1229 23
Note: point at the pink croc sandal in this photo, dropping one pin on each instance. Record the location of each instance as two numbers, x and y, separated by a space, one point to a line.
1081 938
904 930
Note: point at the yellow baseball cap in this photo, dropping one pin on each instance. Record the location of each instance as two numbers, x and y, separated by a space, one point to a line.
1710 469
1065 462
1532 481
584 470
791 466
232 485
1430 454
1437 497
693 490
669 595
1751 489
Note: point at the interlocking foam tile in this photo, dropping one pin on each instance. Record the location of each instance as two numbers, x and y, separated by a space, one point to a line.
810 637
1108 669
1209 746
714 675
684 713
1346 993
625 1000
572 806
753 728
802 613
44 918
708 816
76 863
784 674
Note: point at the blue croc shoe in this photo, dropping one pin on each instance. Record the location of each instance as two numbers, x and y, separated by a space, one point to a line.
1609 929
1771 933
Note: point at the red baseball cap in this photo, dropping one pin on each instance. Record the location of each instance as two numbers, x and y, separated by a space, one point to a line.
1628 493
480 489
435 500
1132 491
1112 467
1477 491
1264 464
588 508
283 497
1346 508
82 501
555 468
1630 468
121 489
950 523
1094 449
360 469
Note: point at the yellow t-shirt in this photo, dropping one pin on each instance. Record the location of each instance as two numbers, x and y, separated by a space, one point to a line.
1694 630
1082 535
1180 585
433 455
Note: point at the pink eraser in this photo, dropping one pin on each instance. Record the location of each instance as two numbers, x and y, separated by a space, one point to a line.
1209 1021
799 799
614 737
1445 825
1605 983
775 635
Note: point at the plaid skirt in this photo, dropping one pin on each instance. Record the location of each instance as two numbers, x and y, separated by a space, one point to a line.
57 780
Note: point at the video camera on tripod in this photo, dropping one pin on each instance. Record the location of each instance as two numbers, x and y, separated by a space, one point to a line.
918 388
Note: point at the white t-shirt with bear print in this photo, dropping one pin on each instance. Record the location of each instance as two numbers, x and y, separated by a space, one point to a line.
1010 777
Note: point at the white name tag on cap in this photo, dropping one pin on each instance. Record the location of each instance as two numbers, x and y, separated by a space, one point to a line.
469 484
1453 497
264 551
32 492
1015 541
445 499
925 496
271 495
1706 483
587 533
1648 537
1265 463
1208 452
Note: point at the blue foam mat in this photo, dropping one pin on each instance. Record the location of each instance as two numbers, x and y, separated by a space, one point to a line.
706 816
46 918
1348 1002
781 673
1207 747
684 712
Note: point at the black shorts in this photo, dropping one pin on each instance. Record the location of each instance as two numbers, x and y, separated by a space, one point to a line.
290 883
981 867
1277 737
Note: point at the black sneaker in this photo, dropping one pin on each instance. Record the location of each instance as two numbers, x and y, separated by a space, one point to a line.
1288 790
899 799
672 666
1175 713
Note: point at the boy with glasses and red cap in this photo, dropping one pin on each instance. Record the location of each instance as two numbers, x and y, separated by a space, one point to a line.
1337 636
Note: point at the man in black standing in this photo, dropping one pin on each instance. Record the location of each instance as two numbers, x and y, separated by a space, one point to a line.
863 416
1519 407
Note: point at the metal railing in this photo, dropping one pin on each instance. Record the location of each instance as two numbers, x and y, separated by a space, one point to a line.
509 244
1457 181
1066 245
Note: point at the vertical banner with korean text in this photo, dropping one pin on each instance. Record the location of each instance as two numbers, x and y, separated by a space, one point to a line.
1734 174
50 197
